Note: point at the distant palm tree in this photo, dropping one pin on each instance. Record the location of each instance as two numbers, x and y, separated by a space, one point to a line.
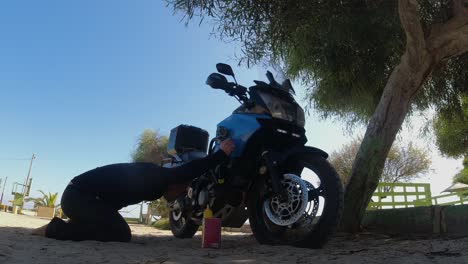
47 200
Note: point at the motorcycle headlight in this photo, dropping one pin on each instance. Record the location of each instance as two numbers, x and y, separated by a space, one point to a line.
282 109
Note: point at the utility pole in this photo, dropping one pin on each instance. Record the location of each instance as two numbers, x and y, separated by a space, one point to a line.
3 191
25 187
140 218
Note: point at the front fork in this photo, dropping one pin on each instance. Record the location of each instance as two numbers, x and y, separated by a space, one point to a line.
271 160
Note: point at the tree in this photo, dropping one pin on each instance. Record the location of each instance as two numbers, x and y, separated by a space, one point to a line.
452 137
369 61
152 147
47 200
403 163
462 176
159 207
452 132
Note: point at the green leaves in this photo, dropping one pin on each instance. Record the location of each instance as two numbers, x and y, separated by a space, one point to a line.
451 131
462 176
403 164
160 208
151 147
343 51
47 200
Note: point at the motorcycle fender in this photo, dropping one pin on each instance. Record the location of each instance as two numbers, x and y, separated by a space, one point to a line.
303 150
275 160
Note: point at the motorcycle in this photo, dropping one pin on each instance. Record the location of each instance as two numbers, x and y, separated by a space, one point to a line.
289 192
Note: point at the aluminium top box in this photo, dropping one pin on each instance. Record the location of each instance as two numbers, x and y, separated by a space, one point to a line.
185 138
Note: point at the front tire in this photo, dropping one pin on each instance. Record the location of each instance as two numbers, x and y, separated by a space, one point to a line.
312 230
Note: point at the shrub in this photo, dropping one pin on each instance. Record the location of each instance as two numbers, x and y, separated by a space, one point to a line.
162 224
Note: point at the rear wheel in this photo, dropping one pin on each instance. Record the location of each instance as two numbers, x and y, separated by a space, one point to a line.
181 225
311 212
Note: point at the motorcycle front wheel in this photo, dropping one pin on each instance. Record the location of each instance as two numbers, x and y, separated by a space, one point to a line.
311 211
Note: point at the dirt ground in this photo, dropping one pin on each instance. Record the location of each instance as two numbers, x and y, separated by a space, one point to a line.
151 246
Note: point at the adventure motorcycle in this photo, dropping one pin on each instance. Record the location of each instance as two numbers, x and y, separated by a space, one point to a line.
289 192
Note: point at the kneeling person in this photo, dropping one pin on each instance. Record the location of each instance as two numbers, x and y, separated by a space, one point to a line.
92 200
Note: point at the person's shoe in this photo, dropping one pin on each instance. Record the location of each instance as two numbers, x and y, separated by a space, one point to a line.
39 231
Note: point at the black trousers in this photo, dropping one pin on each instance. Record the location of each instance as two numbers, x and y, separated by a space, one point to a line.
90 219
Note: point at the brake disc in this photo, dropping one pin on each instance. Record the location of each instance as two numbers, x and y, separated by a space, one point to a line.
311 208
288 212
175 210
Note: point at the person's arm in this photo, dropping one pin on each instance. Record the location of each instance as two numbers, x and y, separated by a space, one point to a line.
195 168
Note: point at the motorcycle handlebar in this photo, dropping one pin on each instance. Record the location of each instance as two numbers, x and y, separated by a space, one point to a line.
236 90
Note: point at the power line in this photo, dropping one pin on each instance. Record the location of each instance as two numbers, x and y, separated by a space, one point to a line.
14 159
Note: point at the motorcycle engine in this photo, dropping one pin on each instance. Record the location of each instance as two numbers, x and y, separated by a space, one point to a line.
203 198
201 194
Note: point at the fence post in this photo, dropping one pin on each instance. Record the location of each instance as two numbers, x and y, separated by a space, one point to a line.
427 191
379 189
405 196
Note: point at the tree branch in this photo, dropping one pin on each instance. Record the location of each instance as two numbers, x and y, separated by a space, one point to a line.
451 38
415 42
450 44
460 9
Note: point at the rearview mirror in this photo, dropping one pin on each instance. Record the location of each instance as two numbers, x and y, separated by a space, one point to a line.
217 81
224 69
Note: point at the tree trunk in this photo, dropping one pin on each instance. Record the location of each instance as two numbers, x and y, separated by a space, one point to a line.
389 115
422 55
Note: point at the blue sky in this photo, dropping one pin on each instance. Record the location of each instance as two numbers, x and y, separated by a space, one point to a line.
80 80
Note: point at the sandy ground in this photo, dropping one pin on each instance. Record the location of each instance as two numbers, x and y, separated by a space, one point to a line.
151 246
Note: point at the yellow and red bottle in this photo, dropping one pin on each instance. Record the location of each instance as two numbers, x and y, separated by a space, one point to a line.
207 213
211 236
